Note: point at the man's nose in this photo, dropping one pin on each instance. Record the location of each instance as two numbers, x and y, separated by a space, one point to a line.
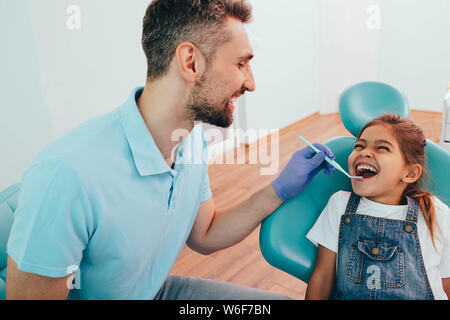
249 83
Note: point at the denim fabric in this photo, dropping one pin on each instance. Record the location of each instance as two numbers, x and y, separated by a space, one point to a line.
380 259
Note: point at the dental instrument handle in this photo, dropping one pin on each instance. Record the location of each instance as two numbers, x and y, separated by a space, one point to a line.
332 162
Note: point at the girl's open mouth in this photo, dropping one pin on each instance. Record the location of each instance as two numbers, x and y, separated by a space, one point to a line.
366 171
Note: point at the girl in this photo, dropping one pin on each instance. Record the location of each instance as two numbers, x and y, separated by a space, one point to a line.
388 239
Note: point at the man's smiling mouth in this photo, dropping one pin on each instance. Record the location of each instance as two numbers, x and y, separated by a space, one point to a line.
236 96
232 101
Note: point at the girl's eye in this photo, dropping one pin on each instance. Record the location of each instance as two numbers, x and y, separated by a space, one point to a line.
241 65
358 146
385 148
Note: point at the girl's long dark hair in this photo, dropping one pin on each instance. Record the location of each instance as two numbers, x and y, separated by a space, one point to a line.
412 142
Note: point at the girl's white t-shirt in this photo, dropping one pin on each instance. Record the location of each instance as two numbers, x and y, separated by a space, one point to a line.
437 263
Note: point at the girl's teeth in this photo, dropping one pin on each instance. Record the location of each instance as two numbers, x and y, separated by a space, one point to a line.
363 167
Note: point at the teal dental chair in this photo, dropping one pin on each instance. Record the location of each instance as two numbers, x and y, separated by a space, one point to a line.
282 235
8 203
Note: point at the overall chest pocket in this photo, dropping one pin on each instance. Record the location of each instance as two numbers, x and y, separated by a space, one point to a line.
377 264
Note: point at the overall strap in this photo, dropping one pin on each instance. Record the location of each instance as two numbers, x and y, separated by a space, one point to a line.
352 203
413 210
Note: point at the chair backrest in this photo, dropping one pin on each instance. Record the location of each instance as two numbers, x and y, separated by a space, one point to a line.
8 204
282 235
365 101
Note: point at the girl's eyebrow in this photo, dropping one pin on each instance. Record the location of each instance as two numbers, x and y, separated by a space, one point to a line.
384 141
376 142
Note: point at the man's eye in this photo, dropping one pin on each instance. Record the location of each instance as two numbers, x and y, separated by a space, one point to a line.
383 147
241 65
358 146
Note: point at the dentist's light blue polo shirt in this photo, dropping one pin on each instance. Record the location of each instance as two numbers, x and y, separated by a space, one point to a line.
102 201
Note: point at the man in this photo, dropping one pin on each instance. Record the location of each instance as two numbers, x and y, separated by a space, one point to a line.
111 205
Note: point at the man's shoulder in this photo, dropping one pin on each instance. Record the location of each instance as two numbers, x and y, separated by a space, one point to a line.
83 141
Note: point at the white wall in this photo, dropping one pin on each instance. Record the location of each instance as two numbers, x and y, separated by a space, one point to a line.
25 124
285 36
415 49
349 48
409 49
53 78
88 71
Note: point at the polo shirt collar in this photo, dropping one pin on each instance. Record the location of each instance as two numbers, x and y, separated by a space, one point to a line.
146 155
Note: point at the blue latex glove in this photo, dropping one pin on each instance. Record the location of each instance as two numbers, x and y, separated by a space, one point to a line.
301 169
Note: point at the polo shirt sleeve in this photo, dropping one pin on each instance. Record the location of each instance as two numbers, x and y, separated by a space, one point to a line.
53 221
205 193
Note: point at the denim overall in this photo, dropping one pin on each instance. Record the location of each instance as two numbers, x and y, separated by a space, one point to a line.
380 259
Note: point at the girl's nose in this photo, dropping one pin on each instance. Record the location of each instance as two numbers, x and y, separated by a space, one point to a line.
366 154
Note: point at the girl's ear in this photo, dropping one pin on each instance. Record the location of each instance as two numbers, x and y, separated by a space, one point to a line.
413 174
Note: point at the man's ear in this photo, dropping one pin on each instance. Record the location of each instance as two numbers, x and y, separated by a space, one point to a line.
413 174
190 61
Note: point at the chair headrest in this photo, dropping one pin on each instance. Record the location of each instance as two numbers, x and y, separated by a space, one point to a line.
366 101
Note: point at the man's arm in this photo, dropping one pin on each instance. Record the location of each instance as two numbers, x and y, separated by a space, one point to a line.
215 230
23 285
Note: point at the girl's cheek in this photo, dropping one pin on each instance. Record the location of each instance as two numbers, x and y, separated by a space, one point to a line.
351 158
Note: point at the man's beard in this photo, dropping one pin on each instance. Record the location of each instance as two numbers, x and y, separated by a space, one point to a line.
200 106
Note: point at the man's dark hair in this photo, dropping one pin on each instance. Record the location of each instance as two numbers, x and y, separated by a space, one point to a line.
168 23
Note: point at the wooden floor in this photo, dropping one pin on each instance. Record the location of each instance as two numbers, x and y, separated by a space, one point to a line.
231 184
